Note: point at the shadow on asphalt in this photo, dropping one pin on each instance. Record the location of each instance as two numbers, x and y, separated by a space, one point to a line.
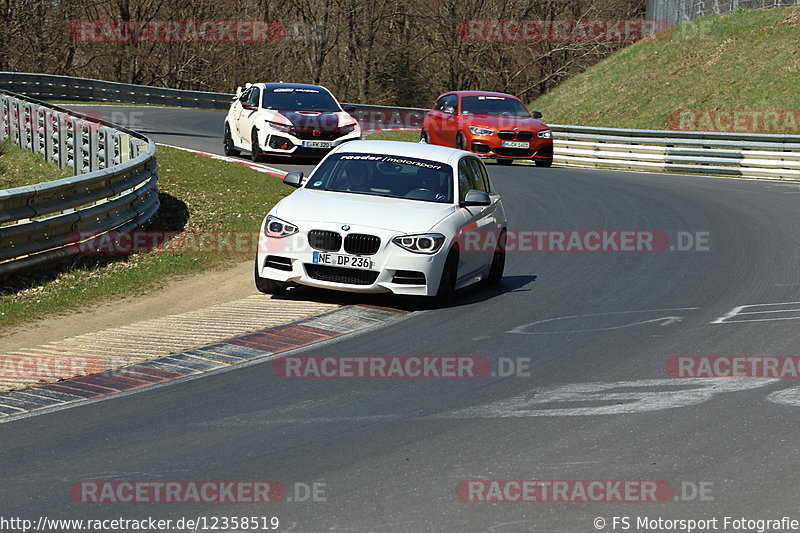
468 296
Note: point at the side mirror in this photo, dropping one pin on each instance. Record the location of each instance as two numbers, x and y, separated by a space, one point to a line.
449 110
536 114
476 198
238 91
295 179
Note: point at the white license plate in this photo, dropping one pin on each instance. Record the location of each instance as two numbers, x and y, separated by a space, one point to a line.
317 144
346 261
516 144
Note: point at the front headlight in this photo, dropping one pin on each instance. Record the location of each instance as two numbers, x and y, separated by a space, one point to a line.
283 128
348 128
545 134
277 228
477 130
427 243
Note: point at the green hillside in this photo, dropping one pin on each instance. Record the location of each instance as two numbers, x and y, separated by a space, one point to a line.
745 61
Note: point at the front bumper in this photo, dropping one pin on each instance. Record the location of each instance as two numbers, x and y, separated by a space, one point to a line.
395 270
492 146
280 143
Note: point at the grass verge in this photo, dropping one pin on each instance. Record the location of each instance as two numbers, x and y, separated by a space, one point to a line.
409 136
745 61
198 195
20 167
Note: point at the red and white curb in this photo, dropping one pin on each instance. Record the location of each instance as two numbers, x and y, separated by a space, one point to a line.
236 350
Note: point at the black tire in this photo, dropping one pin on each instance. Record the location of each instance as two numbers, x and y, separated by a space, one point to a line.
498 262
265 285
544 162
447 285
255 151
503 161
423 137
227 142
461 142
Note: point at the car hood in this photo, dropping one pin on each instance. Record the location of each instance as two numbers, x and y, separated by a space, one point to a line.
323 121
502 122
393 214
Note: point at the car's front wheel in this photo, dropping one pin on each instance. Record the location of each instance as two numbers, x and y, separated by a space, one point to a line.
447 284
461 141
498 261
266 285
255 149
227 142
423 137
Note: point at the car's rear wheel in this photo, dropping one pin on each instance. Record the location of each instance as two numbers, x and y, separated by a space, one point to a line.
265 285
227 142
447 285
503 161
255 149
461 141
544 162
498 261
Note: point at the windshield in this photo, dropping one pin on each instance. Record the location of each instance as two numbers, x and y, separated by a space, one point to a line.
385 175
298 99
493 105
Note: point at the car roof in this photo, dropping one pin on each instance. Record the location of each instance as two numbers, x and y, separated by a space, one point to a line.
482 93
281 85
431 152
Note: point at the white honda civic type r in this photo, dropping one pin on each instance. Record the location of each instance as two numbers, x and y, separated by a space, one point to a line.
383 216
286 119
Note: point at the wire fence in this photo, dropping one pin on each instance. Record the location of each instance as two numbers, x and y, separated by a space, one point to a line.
679 11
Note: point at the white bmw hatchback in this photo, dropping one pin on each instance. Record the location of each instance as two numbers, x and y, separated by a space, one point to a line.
383 216
286 119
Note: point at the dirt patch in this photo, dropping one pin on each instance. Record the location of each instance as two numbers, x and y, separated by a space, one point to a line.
179 296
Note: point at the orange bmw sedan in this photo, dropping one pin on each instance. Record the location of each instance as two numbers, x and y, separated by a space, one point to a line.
490 125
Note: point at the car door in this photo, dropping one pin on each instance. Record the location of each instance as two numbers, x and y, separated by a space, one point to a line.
436 118
249 114
480 227
449 123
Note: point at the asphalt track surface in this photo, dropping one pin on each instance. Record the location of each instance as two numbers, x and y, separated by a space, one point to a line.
391 452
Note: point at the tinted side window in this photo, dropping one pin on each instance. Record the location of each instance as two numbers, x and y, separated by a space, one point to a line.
478 175
253 98
450 103
245 95
439 105
464 180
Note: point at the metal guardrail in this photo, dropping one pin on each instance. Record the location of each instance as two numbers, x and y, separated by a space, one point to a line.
711 153
113 187
51 87
728 154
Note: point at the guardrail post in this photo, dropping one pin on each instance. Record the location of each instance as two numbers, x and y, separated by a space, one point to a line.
93 147
48 135
77 146
61 129
3 116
